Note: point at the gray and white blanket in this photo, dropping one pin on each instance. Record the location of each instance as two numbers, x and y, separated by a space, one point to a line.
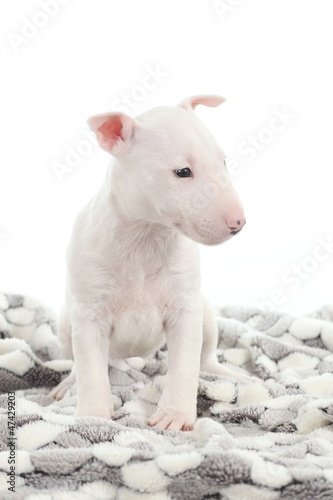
250 441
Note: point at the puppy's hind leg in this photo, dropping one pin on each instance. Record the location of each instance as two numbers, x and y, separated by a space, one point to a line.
64 330
209 362
60 390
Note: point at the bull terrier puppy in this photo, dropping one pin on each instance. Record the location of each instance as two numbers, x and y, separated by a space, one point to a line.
133 259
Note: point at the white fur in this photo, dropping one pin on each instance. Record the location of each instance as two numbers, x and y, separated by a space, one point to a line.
133 262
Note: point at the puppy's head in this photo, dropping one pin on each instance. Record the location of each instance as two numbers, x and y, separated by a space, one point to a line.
170 170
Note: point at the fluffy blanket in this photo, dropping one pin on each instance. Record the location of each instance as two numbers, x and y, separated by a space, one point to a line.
250 441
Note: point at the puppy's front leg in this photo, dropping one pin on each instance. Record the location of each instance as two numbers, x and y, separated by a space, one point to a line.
90 339
177 407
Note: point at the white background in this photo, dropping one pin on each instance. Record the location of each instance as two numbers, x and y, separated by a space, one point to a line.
261 55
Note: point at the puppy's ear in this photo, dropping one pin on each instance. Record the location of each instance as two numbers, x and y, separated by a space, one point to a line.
206 100
114 131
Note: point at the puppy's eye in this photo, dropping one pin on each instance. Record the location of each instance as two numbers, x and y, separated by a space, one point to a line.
183 172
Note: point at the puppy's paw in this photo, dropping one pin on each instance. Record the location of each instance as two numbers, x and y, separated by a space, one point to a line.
218 369
93 410
93 413
171 420
60 390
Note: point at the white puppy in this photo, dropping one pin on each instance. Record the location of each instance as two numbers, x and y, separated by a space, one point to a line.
133 264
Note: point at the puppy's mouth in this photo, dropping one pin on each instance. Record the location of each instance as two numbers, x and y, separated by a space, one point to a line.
205 237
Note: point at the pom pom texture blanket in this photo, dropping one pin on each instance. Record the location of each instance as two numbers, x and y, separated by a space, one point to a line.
255 440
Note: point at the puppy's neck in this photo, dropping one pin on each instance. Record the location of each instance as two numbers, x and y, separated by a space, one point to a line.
142 245
132 227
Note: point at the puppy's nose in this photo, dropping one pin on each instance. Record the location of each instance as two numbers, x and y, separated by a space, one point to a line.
236 225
